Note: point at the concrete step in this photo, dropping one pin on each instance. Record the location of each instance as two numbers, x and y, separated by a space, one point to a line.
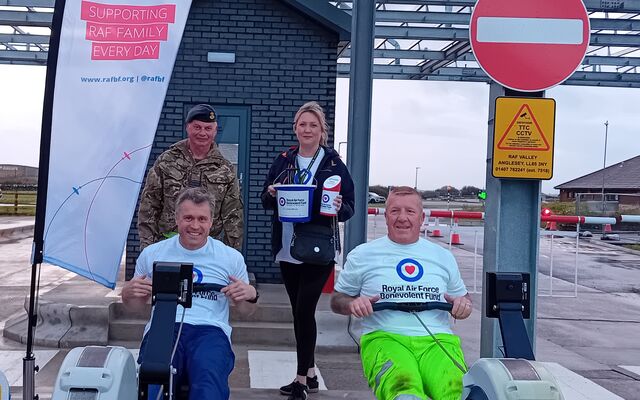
263 333
117 310
126 329
265 312
125 325
258 332
128 344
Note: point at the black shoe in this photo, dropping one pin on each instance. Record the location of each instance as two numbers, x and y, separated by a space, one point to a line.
298 391
312 386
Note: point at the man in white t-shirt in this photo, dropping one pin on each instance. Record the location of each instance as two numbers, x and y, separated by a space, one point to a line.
401 360
203 357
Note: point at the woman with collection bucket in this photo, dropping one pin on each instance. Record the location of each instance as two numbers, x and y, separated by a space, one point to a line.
310 190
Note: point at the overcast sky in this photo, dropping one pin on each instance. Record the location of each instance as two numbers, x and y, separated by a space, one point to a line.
440 127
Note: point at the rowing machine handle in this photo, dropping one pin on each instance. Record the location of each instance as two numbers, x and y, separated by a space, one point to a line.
207 287
413 307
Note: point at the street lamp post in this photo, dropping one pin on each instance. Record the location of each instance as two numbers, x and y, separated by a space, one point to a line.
340 144
604 163
416 185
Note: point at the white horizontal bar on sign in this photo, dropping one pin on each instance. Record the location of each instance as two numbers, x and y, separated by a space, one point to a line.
529 30
630 218
600 220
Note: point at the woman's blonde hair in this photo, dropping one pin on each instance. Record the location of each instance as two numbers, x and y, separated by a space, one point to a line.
316 109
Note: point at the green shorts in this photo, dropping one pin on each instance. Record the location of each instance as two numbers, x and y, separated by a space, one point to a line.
412 367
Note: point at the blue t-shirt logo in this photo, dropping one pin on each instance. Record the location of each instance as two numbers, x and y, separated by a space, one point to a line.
197 275
409 270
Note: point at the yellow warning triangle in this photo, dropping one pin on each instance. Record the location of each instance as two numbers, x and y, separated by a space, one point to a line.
524 133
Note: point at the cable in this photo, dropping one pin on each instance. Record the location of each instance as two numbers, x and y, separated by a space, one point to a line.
457 364
350 321
173 353
175 346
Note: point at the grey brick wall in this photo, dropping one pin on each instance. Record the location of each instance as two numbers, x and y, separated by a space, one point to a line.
283 59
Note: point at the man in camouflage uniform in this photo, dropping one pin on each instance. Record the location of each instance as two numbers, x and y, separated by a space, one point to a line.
192 162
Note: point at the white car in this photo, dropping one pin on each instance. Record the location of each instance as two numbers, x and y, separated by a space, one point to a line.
376 198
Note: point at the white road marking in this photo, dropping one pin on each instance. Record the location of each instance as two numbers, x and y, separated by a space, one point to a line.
576 387
633 368
272 369
11 363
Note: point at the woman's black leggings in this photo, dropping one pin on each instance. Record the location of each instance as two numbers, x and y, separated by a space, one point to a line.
304 284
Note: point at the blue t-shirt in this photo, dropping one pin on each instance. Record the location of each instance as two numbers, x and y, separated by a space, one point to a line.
212 263
402 273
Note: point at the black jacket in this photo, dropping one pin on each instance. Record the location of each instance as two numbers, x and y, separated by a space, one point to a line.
331 164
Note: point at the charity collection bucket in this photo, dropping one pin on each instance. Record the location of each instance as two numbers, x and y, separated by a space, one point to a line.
295 202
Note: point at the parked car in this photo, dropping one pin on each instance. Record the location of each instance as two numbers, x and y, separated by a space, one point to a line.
376 198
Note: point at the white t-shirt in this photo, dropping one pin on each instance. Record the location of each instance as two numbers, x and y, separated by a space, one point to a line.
287 227
402 273
212 263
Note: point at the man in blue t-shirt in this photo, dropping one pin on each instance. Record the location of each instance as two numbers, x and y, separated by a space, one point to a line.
401 360
203 357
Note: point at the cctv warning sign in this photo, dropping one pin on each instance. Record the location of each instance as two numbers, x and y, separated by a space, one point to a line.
523 138
524 133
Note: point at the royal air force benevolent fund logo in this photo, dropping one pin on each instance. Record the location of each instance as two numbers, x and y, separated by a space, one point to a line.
282 201
197 275
410 270
325 198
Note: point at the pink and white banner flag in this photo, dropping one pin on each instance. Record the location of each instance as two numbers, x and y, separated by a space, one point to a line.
114 64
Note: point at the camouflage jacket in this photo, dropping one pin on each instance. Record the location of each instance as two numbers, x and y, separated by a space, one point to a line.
176 169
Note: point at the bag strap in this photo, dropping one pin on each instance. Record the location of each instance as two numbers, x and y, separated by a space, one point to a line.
336 234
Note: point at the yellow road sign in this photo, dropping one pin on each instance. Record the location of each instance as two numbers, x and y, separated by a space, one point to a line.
523 138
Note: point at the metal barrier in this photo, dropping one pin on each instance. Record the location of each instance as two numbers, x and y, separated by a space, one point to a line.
453 215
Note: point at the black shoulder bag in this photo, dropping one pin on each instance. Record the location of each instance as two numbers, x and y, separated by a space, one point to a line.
313 244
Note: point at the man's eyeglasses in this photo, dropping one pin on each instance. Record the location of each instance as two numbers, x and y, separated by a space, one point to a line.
198 128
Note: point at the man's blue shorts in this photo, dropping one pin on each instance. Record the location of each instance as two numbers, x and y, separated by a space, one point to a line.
204 361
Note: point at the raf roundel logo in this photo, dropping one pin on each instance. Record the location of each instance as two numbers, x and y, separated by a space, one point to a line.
325 198
409 270
197 275
282 201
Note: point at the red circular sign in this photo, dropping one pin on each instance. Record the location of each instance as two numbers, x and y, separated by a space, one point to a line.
529 45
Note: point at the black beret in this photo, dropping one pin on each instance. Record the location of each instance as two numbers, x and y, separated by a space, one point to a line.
203 113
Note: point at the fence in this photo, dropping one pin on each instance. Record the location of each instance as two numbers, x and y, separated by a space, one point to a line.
17 202
612 204
434 230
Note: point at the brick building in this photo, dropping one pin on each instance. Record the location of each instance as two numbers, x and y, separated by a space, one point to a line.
620 183
11 174
282 56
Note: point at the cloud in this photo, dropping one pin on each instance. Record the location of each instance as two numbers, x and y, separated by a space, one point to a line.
440 127
21 113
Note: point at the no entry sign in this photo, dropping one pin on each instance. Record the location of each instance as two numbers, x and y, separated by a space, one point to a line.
529 45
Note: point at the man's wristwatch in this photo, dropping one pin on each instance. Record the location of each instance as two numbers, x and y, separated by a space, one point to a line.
255 299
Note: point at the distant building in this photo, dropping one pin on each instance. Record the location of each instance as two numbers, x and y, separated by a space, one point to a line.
621 184
11 174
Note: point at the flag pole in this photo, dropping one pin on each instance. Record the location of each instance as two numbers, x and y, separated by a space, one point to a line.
29 367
